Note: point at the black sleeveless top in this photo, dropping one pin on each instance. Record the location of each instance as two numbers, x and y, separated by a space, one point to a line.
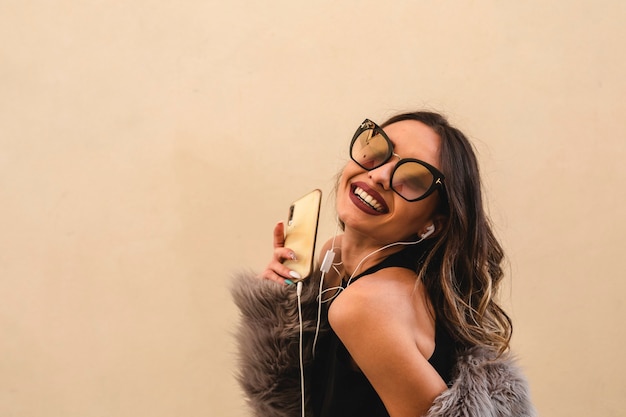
340 390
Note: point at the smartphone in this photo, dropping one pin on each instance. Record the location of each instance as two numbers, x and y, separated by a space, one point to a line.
301 232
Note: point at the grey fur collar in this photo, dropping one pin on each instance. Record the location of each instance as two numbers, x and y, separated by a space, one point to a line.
268 337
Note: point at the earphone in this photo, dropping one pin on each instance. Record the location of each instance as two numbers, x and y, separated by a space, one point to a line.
429 231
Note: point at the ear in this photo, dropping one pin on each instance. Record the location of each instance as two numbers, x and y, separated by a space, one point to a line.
434 228
430 229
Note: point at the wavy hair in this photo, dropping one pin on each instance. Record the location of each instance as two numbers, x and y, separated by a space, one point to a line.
462 271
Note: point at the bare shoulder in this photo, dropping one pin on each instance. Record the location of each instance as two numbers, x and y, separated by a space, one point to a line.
386 295
379 321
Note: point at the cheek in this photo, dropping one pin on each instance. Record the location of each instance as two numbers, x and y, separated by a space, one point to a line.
346 176
350 170
415 217
340 190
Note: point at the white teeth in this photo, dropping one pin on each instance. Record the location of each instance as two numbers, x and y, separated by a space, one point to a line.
368 199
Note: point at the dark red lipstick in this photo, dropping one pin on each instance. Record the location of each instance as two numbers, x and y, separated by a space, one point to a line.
368 200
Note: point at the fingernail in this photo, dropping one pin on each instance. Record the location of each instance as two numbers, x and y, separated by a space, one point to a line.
292 256
288 282
294 274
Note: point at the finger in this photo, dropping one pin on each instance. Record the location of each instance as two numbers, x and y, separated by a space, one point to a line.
282 270
273 276
279 235
282 254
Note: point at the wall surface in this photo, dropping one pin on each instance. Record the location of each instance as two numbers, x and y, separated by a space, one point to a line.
147 148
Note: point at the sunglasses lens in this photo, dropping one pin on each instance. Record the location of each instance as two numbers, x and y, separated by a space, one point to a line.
412 180
370 149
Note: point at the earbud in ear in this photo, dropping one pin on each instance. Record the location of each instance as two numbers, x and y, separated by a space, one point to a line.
429 231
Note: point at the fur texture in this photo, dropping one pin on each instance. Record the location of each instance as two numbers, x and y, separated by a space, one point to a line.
269 370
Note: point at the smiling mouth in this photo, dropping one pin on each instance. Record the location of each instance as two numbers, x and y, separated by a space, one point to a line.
368 199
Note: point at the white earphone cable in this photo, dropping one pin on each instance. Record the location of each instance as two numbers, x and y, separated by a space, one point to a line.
379 250
299 295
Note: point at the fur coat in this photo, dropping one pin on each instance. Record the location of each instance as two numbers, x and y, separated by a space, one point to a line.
269 367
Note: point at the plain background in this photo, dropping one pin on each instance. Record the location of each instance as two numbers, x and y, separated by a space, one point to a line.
147 148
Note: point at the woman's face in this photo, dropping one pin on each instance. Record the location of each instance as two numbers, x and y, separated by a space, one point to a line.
388 217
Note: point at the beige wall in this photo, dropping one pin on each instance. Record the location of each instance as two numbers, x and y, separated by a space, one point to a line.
147 149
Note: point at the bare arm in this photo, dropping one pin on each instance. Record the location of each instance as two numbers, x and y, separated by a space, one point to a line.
375 318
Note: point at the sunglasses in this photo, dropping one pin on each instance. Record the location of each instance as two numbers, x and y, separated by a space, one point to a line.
411 178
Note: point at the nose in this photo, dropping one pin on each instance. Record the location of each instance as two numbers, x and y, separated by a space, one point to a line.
382 174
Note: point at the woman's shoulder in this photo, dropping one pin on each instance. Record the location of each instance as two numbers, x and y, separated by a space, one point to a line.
390 297
377 297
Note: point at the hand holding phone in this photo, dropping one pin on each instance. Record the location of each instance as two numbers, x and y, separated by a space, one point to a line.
301 232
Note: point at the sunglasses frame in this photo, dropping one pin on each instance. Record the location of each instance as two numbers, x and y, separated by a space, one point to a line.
438 176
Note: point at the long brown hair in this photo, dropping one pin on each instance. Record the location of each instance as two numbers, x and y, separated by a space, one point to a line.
463 270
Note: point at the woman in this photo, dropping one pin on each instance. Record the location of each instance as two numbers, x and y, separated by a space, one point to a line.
411 294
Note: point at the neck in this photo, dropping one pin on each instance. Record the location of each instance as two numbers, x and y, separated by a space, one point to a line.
359 252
